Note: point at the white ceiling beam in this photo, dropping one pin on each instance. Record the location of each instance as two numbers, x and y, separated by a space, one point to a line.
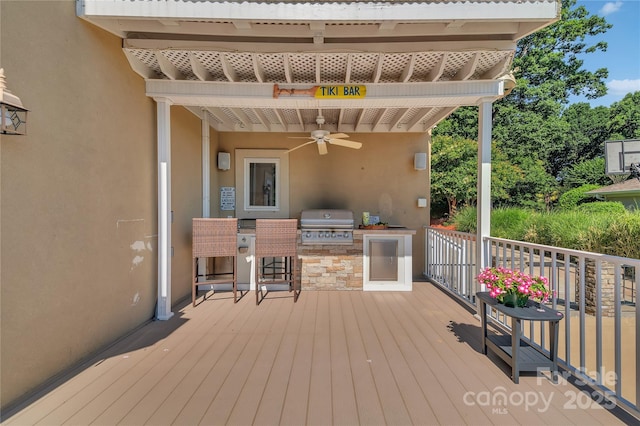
286 64
300 119
413 124
257 68
397 119
138 66
378 119
280 118
168 68
244 119
263 119
260 95
359 45
318 60
438 69
385 26
498 70
227 69
198 69
347 76
407 72
242 25
439 116
359 119
378 71
221 118
468 69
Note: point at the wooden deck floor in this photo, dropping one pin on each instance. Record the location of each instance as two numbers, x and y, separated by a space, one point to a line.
335 357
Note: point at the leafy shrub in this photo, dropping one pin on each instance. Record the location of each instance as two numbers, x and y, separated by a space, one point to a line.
465 219
611 207
509 223
575 197
611 231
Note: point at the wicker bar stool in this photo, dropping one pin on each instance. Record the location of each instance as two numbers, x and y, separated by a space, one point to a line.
276 255
214 238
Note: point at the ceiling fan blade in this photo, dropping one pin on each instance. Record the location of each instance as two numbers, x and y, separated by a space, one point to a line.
348 144
338 135
322 147
300 146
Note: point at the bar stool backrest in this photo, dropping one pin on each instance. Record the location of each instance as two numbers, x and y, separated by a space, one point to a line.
276 237
214 237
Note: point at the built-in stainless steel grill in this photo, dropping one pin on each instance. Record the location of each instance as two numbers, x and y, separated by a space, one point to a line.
326 226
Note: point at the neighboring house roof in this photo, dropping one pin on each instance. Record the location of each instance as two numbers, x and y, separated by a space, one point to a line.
630 186
419 60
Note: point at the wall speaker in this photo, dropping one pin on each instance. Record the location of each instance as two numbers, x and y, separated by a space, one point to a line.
224 161
420 161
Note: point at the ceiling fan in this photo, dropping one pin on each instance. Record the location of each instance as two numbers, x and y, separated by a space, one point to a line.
321 137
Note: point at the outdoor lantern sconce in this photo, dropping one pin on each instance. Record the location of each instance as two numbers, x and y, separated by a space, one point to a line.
13 116
420 161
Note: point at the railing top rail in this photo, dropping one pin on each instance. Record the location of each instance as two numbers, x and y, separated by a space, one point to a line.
572 252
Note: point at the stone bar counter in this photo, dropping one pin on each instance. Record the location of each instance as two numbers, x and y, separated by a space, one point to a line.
339 266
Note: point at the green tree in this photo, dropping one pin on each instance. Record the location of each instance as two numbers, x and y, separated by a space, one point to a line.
454 164
588 129
528 124
586 172
625 117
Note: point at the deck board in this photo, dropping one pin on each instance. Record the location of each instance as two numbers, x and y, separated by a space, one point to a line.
334 357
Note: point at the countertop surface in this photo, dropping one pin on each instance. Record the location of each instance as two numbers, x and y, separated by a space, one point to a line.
386 231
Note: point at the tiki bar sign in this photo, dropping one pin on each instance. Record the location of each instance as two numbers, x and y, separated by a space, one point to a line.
324 92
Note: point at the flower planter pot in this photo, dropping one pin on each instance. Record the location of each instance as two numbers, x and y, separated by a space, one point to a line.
513 300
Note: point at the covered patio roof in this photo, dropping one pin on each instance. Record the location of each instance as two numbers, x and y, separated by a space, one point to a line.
419 60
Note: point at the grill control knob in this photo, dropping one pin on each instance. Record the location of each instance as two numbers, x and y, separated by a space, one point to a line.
327 234
308 235
333 235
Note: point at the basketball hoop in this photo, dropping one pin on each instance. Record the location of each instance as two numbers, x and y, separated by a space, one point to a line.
635 170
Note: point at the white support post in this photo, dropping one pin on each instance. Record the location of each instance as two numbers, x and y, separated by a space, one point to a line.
427 253
484 183
163 310
206 166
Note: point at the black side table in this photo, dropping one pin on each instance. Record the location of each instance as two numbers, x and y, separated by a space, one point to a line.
518 354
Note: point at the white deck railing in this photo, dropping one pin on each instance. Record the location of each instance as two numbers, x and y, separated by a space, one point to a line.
600 335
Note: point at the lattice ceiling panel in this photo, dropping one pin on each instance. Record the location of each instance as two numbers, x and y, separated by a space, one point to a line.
180 59
393 66
211 61
290 116
424 63
363 66
303 68
333 68
455 61
242 64
272 67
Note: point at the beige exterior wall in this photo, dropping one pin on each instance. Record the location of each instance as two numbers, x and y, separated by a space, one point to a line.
79 195
378 178
78 204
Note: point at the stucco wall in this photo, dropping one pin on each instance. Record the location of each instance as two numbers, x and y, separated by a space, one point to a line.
378 178
79 195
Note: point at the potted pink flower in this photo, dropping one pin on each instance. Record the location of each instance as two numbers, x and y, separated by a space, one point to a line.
514 288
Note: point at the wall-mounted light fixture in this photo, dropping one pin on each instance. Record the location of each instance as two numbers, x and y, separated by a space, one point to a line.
420 161
13 116
224 161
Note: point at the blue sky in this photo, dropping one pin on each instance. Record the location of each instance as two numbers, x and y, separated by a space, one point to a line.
622 57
